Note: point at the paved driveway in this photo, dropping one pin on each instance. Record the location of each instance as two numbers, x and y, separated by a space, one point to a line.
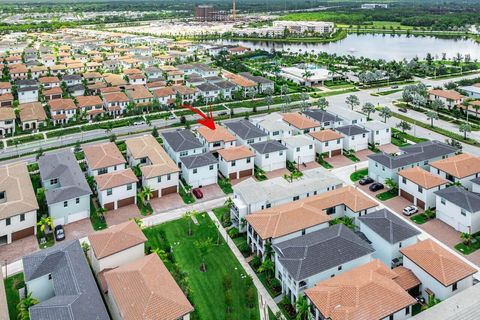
78 229
210 192
389 148
309 166
17 249
339 161
363 154
399 203
277 173
122 214
167 203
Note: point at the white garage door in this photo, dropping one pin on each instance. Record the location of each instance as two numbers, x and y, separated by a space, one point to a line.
447 219
77 216
58 221
208 181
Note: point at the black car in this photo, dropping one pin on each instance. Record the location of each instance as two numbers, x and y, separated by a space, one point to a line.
59 233
376 186
365 181
404 110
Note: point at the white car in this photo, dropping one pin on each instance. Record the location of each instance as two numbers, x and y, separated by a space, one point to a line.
138 123
408 211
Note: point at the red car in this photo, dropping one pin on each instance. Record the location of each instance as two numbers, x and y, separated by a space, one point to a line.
197 193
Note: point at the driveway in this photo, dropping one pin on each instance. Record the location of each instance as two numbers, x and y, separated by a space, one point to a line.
399 203
339 161
389 148
78 229
122 214
363 154
309 166
210 192
17 249
277 173
167 203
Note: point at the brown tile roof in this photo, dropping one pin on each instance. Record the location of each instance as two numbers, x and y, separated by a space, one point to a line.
423 178
115 179
6 97
139 93
32 111
239 80
164 92
364 293
219 134
442 265
116 239
62 104
144 289
183 90
236 153
299 121
103 155
115 97
326 135
7 113
110 90
405 278
92 75
15 181
5 85
88 101
53 91
49 80
132 71
447 94
459 166
115 79
307 212
148 146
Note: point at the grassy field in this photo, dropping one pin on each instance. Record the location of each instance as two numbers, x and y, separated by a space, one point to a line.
207 288
12 293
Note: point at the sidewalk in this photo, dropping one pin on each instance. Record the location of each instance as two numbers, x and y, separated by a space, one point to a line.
263 293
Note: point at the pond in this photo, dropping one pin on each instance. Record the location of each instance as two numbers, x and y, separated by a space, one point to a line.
378 46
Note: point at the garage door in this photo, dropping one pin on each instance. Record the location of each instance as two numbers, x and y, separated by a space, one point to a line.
59 221
169 190
155 194
208 181
126 202
232 176
336 152
406 195
23 233
109 206
245 173
447 219
421 204
77 216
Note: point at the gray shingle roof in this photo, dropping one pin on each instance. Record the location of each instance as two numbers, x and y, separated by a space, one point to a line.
351 130
63 166
388 226
245 129
268 146
205 87
320 250
257 79
198 160
465 199
322 116
412 154
72 77
181 140
76 294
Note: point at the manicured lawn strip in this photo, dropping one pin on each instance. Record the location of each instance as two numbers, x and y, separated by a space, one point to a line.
399 143
12 284
186 197
407 136
357 175
63 132
351 157
387 92
207 291
419 218
25 139
219 212
474 246
271 315
98 223
387 195
225 185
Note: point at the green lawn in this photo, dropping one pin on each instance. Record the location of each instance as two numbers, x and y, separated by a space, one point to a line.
357 175
387 195
12 284
225 185
186 197
207 291
419 218
351 157
474 246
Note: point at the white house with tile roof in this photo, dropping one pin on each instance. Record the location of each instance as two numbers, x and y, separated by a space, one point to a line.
103 158
117 189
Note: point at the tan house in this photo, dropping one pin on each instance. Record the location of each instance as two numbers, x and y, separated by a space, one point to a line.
103 158
115 103
32 115
7 121
461 169
52 94
92 105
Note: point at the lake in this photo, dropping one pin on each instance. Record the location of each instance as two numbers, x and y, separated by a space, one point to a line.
378 46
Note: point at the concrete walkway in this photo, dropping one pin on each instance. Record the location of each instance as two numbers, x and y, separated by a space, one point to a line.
267 300
3 302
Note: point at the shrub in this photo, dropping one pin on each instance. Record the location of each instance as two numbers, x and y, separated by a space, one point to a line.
250 297
256 262
233 233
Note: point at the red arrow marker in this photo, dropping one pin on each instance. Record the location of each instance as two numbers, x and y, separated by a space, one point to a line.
207 121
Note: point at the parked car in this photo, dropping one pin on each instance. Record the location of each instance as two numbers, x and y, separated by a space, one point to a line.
404 110
138 123
197 193
59 233
408 211
376 186
365 181
394 87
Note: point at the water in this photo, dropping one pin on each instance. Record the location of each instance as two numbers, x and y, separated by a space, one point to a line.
378 46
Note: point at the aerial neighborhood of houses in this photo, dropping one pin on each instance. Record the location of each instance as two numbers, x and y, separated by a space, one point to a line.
322 205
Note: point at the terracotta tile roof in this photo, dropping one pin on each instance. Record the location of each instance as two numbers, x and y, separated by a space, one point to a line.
236 153
61 116
145 289
88 101
326 135
92 75
6 97
115 79
115 97
438 262
459 166
15 181
116 239
103 155
164 92
32 111
139 93
7 113
49 80
299 121
219 134
183 90
62 104
53 91
131 71
110 90
364 293
423 177
5 85
147 146
239 80
307 212
115 179
405 278
447 94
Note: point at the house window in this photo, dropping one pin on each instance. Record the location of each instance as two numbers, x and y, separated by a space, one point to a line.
169 176
249 141
22 217
143 160
210 167
183 153
8 221
420 189
399 244
338 141
404 180
354 121
310 147
109 192
331 210
298 149
303 232
2 195
194 171
234 163
77 200
407 310
339 268
54 181
129 186
269 205
65 204
281 153
275 133
326 144
267 156
353 138
159 179
315 192
425 162
249 160
296 198
442 200
463 212
363 135
390 317
454 286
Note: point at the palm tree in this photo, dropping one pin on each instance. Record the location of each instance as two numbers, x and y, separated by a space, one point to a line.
267 267
268 101
466 238
45 222
390 183
24 305
303 309
385 112
145 194
138 221
404 125
432 115
322 103
228 203
353 101
368 108
465 128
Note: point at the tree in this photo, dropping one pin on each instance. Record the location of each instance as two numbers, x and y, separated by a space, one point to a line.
188 215
161 254
432 115
39 154
304 97
286 102
465 128
437 105
322 103
45 223
267 267
204 247
145 194
303 309
228 203
385 113
268 101
368 108
24 305
391 184
404 126
101 211
155 132
466 238
353 101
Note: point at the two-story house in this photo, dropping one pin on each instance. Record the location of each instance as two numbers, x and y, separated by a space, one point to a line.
236 162
300 149
117 189
328 143
326 119
301 124
355 137
379 133
460 169
62 110
103 158
246 132
217 139
199 170
270 155
182 143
